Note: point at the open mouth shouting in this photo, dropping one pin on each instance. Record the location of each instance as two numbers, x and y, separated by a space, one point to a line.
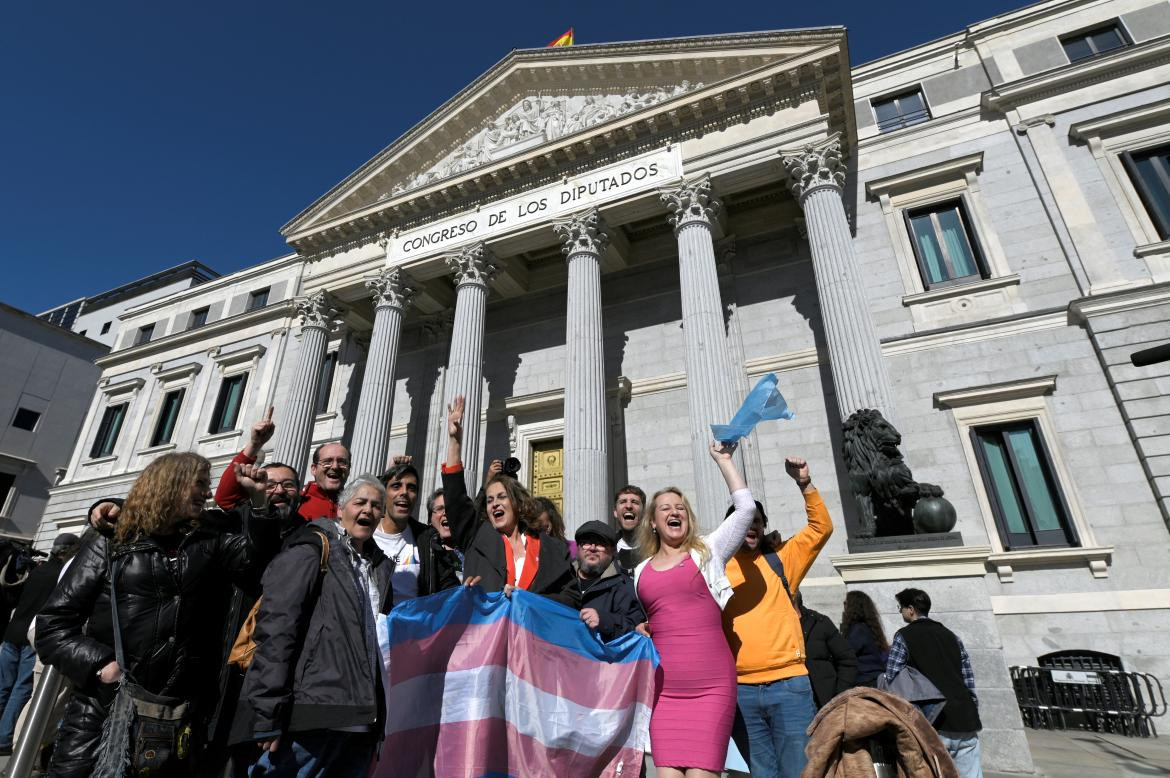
498 515
629 519
401 506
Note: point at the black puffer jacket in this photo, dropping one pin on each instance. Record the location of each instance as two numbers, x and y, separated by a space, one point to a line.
831 663
316 666
167 592
612 596
484 551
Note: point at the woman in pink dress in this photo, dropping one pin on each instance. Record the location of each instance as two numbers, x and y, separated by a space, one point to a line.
683 586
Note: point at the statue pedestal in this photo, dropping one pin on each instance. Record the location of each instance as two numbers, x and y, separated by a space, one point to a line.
904 542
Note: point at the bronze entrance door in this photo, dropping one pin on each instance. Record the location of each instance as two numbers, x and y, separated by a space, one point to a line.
547 468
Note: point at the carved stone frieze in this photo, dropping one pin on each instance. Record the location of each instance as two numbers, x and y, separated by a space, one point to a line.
391 288
692 202
317 310
472 265
535 120
812 168
582 232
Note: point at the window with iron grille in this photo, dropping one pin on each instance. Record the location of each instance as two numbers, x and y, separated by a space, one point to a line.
108 431
1149 170
1026 500
1091 43
900 110
227 405
168 417
946 247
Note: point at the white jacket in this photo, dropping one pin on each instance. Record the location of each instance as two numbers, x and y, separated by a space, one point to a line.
722 543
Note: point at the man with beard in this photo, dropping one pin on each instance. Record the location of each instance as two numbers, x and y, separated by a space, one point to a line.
317 500
421 565
600 591
627 512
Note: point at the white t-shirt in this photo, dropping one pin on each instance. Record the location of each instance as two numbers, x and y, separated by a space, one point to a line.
520 561
403 549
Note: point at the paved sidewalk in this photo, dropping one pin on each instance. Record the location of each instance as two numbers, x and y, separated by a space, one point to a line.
1093 755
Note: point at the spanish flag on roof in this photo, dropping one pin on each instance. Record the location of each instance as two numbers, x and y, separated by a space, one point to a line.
565 40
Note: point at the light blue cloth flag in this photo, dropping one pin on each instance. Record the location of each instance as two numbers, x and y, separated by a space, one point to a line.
763 403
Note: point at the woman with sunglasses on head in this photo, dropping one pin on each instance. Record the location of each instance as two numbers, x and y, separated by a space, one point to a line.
683 585
505 550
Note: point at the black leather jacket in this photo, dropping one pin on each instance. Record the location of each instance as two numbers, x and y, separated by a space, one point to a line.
169 595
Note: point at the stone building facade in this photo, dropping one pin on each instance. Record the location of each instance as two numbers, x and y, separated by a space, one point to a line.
604 246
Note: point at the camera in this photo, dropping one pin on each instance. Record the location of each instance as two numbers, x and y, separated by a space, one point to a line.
511 467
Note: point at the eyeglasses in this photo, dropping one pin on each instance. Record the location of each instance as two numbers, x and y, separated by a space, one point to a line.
288 486
334 463
593 544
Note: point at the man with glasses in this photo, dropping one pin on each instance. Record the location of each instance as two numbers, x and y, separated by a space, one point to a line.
600 591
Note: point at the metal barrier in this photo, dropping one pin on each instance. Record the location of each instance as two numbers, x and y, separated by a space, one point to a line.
1115 701
28 745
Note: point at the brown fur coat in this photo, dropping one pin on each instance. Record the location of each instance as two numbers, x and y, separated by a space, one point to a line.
838 736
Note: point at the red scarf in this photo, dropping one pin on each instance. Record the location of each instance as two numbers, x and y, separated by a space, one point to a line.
531 562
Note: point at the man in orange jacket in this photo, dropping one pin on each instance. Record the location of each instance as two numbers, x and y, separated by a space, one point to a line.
775 700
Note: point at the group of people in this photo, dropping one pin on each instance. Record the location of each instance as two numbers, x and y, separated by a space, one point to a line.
290 582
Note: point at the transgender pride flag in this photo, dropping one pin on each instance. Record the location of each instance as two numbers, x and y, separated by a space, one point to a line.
484 685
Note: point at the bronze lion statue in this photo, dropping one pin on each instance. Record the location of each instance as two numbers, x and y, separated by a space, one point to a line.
885 490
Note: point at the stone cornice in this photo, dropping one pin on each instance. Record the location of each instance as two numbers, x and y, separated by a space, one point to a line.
193 293
1007 390
206 332
1101 305
919 177
912 564
818 73
1156 112
1078 74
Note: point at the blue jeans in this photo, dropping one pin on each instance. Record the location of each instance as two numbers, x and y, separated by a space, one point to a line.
16 682
317 754
770 724
965 752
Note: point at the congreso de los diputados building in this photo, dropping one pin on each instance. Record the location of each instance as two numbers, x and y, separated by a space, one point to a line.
947 256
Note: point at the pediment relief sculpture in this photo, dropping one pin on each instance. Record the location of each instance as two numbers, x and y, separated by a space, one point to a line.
535 120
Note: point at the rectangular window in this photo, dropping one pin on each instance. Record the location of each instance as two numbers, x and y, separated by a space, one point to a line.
198 318
902 110
1090 43
168 418
1150 172
227 405
258 299
26 419
7 482
324 388
144 335
1029 507
945 245
108 430
106 327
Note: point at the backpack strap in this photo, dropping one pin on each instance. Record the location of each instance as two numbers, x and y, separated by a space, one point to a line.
778 568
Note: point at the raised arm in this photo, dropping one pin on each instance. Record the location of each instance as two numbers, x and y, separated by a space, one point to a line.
229 491
728 536
460 509
800 551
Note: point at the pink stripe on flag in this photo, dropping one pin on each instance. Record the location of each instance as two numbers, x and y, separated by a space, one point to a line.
453 647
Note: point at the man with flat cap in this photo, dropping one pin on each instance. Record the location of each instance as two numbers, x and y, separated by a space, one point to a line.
600 591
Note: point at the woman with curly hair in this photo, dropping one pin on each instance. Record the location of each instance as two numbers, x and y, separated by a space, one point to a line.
862 627
502 545
142 606
684 587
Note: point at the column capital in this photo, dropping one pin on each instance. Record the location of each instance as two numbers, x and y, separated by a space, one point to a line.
391 288
814 167
691 203
473 265
582 233
317 310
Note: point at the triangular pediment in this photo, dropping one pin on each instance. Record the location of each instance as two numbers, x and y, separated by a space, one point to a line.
543 97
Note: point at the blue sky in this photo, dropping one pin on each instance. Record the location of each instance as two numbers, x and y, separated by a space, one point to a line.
138 135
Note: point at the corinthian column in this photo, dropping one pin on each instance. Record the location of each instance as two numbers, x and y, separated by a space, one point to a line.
711 385
473 268
295 428
586 463
371 431
817 180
